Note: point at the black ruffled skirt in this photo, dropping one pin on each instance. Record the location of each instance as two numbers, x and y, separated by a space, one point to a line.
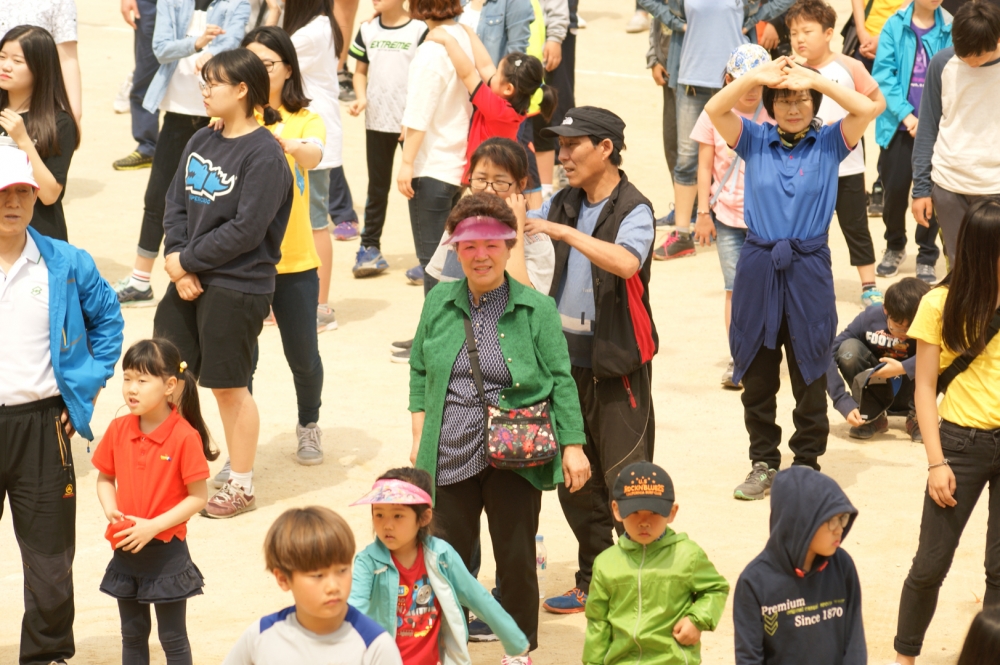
160 573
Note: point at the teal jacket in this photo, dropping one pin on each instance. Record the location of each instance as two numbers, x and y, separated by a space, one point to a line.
533 343
375 591
893 66
85 327
638 594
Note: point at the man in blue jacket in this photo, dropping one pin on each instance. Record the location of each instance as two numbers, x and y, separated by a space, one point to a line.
60 338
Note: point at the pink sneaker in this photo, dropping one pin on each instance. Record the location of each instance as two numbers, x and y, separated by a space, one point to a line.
346 231
229 501
516 660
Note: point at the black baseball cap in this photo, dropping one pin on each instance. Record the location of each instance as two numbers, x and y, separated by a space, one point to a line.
874 394
590 121
644 486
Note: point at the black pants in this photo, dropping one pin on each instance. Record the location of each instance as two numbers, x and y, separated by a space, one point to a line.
975 460
618 434
852 213
512 506
853 357
380 147
171 624
177 130
896 172
37 475
760 406
429 209
294 313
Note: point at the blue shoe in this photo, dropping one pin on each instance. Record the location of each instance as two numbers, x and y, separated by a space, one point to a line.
668 220
369 261
573 601
480 632
415 275
871 297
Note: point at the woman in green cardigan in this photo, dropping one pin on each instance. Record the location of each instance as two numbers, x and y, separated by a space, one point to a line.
524 360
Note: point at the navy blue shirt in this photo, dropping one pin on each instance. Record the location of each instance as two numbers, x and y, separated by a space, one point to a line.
790 193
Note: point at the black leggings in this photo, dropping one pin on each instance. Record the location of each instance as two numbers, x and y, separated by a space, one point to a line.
170 624
177 130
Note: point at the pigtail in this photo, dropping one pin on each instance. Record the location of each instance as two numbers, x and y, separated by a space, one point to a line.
526 73
550 100
270 115
189 408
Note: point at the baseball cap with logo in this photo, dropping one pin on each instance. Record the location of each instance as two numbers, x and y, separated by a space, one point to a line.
644 486
15 168
874 394
590 121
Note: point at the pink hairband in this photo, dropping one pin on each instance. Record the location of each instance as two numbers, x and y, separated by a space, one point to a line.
480 228
395 491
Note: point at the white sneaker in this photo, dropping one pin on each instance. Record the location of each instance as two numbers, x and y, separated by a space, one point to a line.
638 23
122 103
310 450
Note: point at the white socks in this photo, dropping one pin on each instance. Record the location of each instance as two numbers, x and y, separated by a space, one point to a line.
244 480
139 280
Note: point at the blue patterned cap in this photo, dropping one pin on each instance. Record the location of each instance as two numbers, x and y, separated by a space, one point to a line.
746 57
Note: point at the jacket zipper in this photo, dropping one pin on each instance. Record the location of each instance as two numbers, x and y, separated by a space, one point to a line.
62 442
638 618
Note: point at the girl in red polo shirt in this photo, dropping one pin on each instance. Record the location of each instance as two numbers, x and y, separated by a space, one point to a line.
153 466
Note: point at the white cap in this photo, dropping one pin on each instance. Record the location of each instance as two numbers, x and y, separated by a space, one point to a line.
15 168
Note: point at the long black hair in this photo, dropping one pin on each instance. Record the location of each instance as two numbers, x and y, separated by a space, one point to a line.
526 73
159 357
973 285
301 12
293 96
48 90
421 479
982 644
241 66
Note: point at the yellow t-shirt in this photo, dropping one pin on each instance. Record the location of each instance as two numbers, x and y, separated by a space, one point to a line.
972 399
298 252
880 12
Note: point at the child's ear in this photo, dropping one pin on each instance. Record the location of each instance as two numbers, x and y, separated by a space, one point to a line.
171 385
673 513
426 518
614 509
284 581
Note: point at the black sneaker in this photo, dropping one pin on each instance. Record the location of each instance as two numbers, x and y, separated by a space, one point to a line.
926 273
134 161
913 428
870 429
876 200
757 484
346 80
889 266
480 632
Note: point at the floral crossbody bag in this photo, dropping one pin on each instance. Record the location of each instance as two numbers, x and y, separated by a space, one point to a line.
515 438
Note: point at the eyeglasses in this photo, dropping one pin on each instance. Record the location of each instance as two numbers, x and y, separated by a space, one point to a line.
206 88
840 521
499 186
797 101
269 64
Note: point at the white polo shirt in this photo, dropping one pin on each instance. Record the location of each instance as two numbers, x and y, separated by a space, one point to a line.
26 373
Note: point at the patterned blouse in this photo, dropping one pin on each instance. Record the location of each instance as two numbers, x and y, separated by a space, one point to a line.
461 451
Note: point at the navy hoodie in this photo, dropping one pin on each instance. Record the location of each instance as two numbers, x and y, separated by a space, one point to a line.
783 616
871 327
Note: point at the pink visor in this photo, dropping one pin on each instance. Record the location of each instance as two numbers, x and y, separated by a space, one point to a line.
480 228
395 491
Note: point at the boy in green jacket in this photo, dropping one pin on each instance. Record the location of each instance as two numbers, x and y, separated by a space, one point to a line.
653 594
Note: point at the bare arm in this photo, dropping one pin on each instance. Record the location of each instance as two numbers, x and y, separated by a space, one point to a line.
307 155
860 109
411 146
135 538
273 12
605 255
704 230
464 68
417 423
108 496
360 89
484 63
49 188
940 480
720 107
516 265
71 75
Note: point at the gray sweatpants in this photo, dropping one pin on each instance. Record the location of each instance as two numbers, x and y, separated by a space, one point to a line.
950 209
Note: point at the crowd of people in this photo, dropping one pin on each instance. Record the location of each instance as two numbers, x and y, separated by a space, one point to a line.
530 368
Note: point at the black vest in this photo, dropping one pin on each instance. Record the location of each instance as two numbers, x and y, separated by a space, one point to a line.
624 334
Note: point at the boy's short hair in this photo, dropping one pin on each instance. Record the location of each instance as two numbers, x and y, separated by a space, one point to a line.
435 10
770 94
976 28
812 10
903 298
307 539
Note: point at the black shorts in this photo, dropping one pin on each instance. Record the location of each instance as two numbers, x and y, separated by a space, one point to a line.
216 333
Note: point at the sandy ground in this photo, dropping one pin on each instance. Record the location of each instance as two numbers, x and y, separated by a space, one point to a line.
700 435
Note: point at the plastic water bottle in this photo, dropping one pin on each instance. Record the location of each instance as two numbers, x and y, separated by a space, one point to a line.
541 562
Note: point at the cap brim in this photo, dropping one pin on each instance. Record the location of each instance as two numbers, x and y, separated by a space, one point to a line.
19 182
659 506
563 130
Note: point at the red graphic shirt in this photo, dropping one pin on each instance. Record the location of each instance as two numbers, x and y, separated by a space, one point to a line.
418 614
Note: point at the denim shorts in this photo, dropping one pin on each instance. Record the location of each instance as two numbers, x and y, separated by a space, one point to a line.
729 241
319 195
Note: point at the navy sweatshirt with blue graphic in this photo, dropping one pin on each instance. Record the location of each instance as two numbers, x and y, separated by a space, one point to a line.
227 209
784 616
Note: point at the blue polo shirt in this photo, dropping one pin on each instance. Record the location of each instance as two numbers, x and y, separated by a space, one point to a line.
790 193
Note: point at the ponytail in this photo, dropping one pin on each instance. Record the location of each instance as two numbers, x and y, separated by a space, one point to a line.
550 100
270 115
160 357
526 74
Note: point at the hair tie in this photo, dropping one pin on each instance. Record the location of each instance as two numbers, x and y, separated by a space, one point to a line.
184 366
517 63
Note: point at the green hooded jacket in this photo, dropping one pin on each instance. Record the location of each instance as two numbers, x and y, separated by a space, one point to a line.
638 594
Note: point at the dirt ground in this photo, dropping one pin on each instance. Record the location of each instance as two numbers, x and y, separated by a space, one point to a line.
700 435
